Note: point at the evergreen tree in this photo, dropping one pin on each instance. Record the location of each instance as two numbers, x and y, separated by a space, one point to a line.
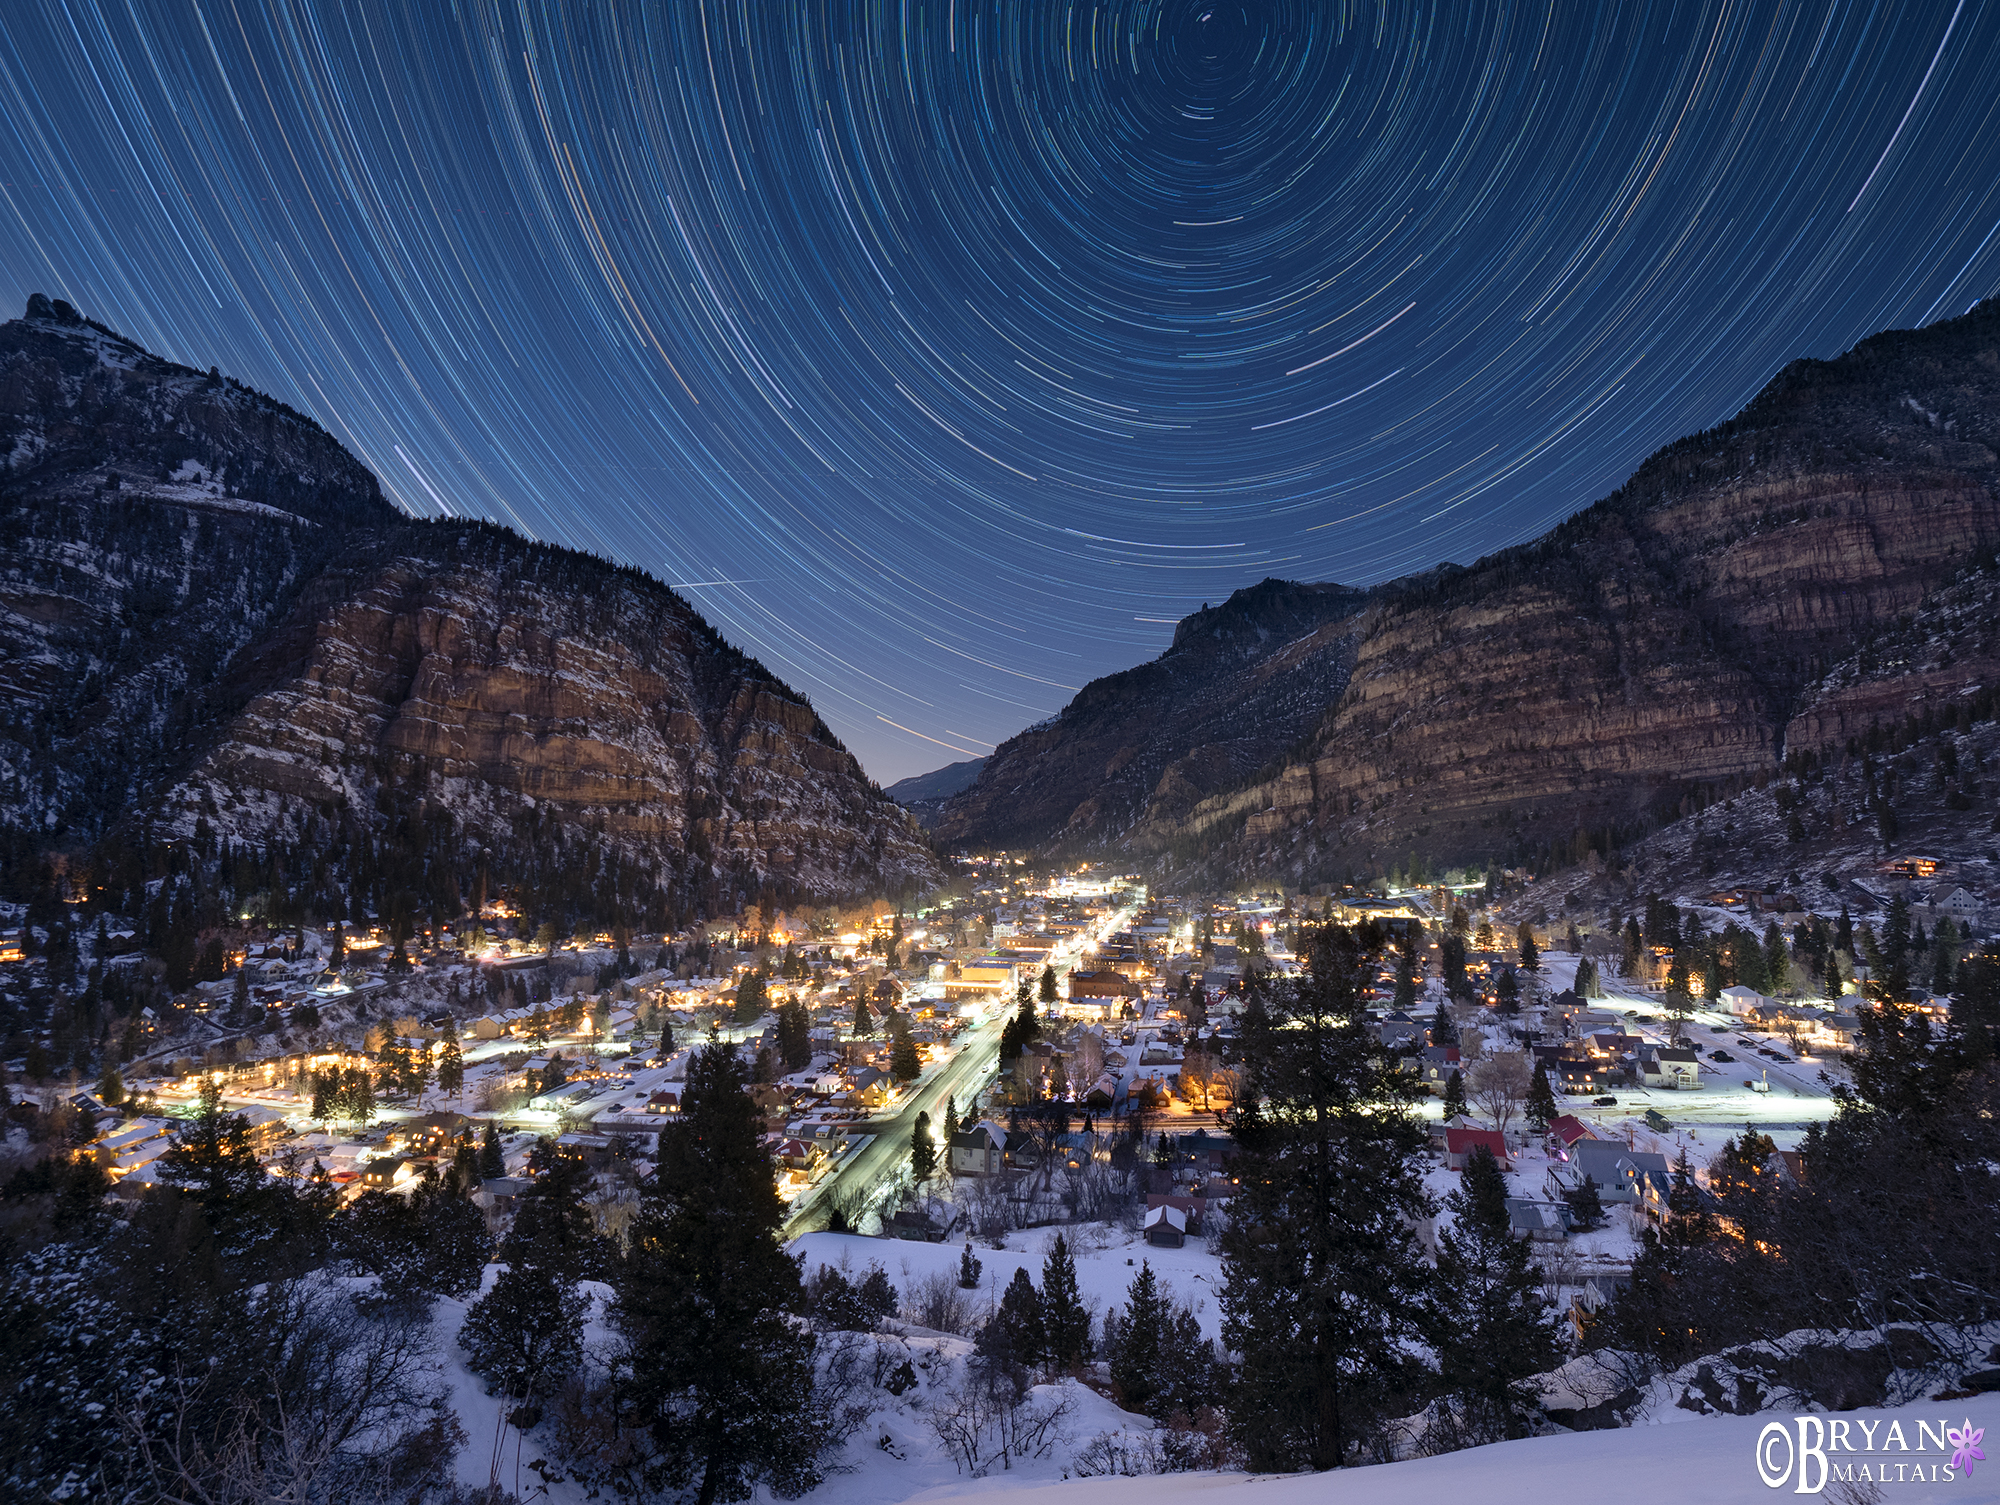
1065 1322
951 1124
1491 1326
1531 954
795 1036
1137 1345
1406 974
1322 1277
1777 958
1541 1107
492 1163
1586 1206
715 1369
1048 986
1015 1336
750 998
1633 959
1443 1031
1586 985
451 1066
1454 1095
525 1335
968 1269
923 1151
904 1062
864 1020
212 1164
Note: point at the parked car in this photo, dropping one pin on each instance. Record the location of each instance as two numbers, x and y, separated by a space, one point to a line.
1604 1102
1721 1055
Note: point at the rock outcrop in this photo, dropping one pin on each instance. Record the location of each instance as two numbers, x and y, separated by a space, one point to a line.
213 626
1674 635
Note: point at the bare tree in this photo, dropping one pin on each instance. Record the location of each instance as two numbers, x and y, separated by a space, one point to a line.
342 1404
1498 1085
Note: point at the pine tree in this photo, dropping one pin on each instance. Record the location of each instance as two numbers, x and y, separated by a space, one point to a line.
951 1124
492 1163
213 1165
1541 1107
525 1336
1454 1095
1491 1326
1531 954
1138 1357
1065 1322
750 998
1443 1031
451 1066
1586 1206
904 1062
1586 979
1015 1336
968 1269
715 1369
1322 1277
1048 986
923 1151
864 1019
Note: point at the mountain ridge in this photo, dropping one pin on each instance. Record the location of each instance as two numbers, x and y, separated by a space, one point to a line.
1658 640
217 630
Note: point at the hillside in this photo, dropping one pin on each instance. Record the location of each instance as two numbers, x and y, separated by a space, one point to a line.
213 628
1684 633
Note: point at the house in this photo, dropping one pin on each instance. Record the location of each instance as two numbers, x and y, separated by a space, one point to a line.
802 1154
501 1192
1635 1177
1165 1226
1543 1222
1190 1208
1435 1066
1567 1130
1741 1001
382 1172
1460 1143
1106 989
1665 1066
978 1151
1964 906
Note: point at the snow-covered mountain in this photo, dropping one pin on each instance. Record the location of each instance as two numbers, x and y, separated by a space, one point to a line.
214 627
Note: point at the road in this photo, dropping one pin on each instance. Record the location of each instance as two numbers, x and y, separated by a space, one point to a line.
970 1068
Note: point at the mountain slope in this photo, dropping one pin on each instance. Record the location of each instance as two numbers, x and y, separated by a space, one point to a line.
1665 638
1241 683
216 629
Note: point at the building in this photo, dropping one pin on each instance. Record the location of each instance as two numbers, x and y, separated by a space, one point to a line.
979 1151
1665 1066
1166 1226
1460 1143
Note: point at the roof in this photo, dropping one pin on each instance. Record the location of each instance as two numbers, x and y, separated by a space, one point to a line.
1465 1141
1165 1216
1569 1128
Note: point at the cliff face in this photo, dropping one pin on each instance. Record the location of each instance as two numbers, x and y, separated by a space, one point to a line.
215 627
1674 634
1241 684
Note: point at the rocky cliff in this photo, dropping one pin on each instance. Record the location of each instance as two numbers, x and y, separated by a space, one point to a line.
1677 634
1240 685
212 626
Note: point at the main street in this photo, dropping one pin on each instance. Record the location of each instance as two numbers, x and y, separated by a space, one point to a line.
974 1057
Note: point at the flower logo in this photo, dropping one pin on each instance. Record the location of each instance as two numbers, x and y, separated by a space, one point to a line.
1966 1440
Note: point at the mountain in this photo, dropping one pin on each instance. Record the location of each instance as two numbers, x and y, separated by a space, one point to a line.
924 794
1240 685
1686 633
215 630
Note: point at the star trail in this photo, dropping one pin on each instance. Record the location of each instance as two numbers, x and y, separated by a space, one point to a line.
946 352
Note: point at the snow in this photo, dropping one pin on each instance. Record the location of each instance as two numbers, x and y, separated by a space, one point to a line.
1710 1459
1107 1260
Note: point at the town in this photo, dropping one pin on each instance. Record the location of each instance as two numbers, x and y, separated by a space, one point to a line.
900 1093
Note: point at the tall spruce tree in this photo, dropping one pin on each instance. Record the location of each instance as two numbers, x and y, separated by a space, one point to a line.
1541 1108
715 1370
525 1335
1454 1095
1137 1343
1065 1321
1323 1281
1491 1327
923 1150
1015 1336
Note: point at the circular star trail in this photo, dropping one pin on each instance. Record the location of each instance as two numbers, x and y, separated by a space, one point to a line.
946 352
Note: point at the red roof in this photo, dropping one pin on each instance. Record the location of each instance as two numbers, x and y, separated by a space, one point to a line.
1569 1129
1465 1141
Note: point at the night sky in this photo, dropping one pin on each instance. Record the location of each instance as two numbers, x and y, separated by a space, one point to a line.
944 352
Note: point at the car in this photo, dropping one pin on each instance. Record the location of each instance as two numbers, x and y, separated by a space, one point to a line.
1721 1055
1604 1102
